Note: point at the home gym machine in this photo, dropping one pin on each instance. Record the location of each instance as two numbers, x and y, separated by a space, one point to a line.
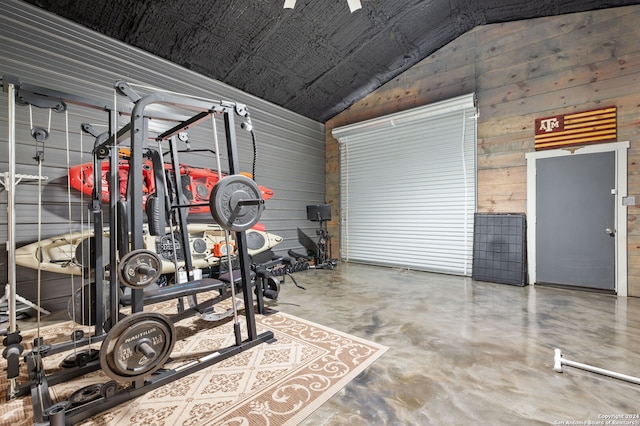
135 346
318 252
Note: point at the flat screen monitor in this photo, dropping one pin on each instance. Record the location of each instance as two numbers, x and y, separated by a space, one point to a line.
319 212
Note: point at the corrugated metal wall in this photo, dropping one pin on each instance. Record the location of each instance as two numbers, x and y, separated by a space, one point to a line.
51 52
408 185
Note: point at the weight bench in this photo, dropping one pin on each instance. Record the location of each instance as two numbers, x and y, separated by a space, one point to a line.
263 287
237 277
156 294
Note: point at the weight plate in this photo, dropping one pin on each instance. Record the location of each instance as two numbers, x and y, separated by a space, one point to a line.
236 203
80 358
139 268
137 346
86 394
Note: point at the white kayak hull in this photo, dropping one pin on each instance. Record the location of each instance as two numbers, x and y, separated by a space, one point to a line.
206 243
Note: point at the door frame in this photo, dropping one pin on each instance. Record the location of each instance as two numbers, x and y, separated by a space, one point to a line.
620 214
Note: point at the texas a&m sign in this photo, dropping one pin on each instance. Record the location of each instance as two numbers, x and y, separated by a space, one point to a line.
581 128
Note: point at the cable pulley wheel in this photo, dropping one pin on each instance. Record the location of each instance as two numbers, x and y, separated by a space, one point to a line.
137 346
139 268
236 203
109 389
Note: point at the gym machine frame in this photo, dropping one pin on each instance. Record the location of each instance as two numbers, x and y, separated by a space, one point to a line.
45 411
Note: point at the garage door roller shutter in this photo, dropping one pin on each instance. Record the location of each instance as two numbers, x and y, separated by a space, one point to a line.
408 188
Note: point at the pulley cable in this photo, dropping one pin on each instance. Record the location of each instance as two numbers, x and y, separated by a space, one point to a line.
232 281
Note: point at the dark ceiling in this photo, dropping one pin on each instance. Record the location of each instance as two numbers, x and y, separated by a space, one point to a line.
316 59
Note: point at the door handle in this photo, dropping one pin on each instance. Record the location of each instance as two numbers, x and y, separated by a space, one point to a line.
611 232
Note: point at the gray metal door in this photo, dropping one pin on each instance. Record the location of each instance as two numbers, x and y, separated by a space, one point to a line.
575 226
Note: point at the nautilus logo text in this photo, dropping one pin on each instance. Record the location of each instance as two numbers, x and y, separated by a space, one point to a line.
139 335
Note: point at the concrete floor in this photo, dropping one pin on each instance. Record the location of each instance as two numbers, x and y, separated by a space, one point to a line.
464 352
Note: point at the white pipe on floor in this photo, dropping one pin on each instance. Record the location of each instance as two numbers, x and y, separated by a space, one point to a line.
558 362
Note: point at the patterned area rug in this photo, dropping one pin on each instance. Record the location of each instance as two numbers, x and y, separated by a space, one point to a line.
277 383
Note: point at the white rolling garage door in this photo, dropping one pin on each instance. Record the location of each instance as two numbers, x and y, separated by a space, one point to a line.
408 188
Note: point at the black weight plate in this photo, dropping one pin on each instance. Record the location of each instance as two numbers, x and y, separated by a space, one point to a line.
80 358
122 356
86 394
139 268
129 358
224 203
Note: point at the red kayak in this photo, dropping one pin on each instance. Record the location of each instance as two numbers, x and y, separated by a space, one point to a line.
197 182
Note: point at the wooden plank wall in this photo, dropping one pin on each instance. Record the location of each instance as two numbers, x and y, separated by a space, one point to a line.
521 71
